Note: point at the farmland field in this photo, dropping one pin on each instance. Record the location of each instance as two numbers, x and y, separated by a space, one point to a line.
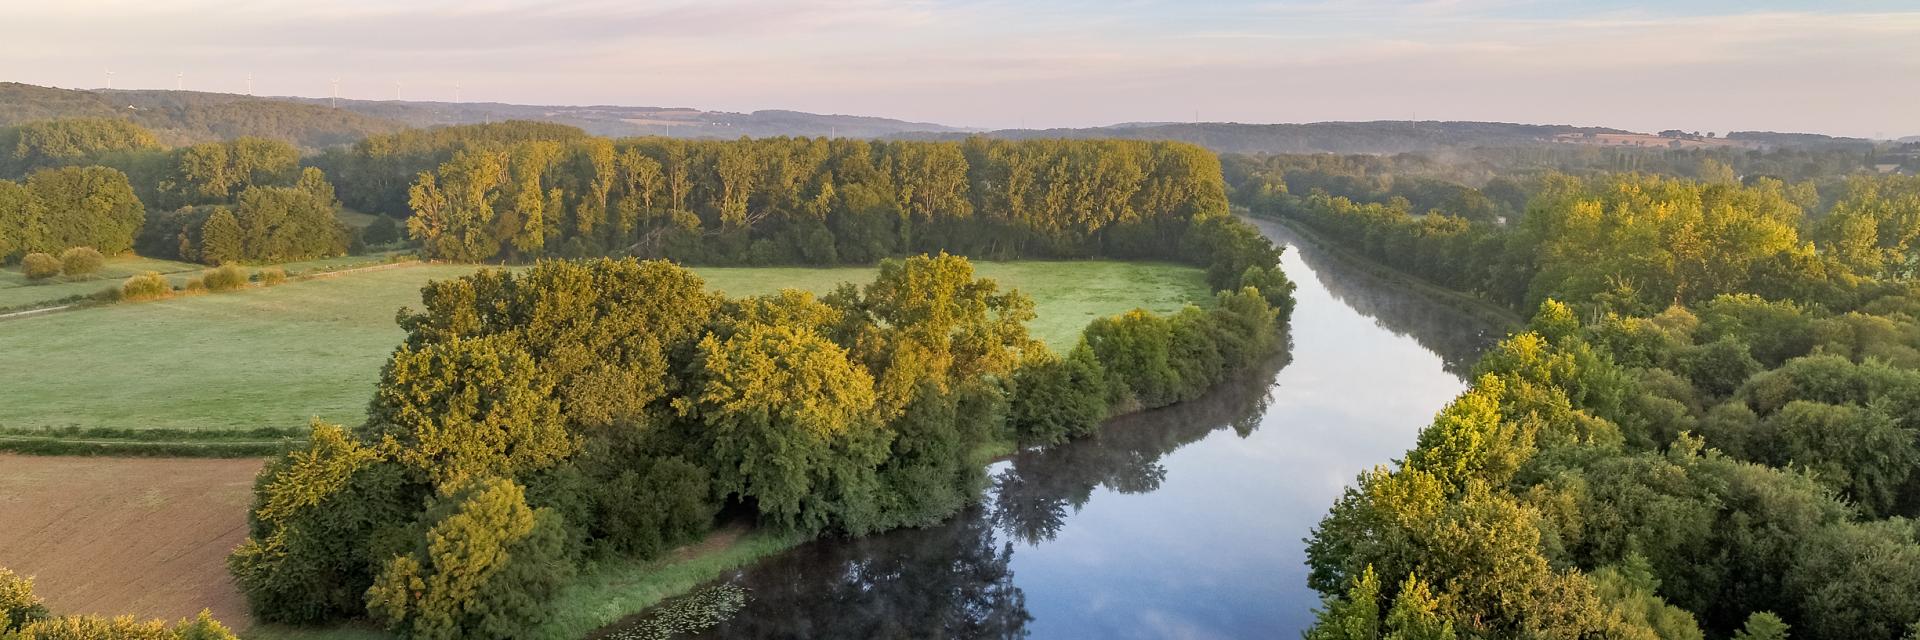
275 357
72 522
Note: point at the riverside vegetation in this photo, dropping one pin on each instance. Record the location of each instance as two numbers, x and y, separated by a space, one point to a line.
1711 428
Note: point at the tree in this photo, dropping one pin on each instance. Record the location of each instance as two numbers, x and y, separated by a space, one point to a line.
1762 625
1055 399
316 532
486 566
84 207
468 408
220 238
787 421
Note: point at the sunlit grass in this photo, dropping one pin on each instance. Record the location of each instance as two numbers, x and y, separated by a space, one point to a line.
278 356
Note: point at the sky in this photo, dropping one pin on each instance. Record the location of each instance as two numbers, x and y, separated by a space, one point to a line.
1841 67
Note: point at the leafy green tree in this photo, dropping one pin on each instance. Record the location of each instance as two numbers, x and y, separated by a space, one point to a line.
485 566
468 408
84 207
1762 625
1056 399
323 520
220 238
787 420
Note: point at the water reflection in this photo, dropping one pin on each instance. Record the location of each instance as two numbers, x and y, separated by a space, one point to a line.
1427 321
954 580
1184 522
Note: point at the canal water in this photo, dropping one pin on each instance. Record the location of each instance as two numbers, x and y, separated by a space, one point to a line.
1185 522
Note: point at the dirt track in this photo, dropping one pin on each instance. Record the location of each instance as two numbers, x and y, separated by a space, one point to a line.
114 536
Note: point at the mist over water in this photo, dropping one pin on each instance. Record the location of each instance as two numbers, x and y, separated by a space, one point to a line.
1184 522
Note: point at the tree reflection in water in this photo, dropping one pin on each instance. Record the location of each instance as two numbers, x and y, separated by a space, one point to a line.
953 580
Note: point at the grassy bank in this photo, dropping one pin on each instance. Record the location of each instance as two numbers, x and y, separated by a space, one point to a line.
116 377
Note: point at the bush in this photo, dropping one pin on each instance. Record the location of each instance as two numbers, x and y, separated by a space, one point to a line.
271 276
225 278
146 286
80 261
195 286
40 266
18 605
1056 399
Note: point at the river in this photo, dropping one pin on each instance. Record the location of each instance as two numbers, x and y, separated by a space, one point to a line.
1185 522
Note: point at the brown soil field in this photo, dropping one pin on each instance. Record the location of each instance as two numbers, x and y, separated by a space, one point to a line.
141 536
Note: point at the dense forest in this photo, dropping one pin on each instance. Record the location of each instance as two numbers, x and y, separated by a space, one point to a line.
1710 429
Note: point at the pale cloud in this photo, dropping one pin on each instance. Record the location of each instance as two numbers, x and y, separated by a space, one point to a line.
1007 63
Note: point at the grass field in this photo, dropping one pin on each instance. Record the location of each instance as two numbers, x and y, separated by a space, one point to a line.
16 291
275 357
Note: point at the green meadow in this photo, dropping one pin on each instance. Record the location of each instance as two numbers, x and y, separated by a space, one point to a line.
275 357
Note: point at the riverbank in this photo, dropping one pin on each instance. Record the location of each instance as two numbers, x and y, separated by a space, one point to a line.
1479 308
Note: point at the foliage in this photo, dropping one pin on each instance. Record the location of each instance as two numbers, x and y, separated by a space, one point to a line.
1513 481
23 617
146 286
485 567
40 266
226 277
81 261
64 207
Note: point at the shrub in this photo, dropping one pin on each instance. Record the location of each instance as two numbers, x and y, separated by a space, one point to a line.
271 276
18 605
146 286
195 286
40 266
225 278
80 261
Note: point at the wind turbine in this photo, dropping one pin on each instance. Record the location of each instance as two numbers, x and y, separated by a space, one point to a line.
109 79
456 92
179 81
396 91
336 93
249 84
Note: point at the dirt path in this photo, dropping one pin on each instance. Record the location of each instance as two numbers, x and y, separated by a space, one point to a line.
141 536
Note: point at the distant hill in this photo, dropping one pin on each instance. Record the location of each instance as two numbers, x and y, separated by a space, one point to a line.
182 117
1383 136
618 121
1801 140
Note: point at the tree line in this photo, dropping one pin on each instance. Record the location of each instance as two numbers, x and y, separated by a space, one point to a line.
1636 243
614 408
781 200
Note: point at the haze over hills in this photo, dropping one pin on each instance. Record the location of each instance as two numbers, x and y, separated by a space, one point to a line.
180 117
